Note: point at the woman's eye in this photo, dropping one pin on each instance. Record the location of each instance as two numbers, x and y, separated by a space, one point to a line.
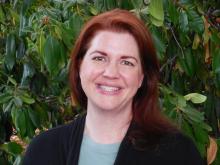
98 58
127 63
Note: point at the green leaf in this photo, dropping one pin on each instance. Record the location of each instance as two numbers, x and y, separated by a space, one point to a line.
21 50
201 138
40 43
201 135
173 13
215 37
216 61
110 4
28 72
12 148
181 102
2 14
26 5
14 15
195 98
10 51
196 41
13 81
19 120
18 160
187 129
8 106
35 118
217 80
159 43
53 55
156 10
30 128
183 22
201 148
188 63
17 100
128 4
5 97
193 114
93 10
137 3
27 99
23 22
195 21
156 22
205 126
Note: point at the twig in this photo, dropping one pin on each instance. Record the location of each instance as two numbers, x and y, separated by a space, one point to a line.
168 62
174 36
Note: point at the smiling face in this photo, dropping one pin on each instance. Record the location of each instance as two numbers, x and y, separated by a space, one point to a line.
111 71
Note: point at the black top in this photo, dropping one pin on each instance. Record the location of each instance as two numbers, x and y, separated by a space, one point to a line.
61 146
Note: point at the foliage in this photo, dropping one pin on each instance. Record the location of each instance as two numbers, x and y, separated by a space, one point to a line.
36 38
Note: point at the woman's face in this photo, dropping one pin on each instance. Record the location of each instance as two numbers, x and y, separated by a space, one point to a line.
111 71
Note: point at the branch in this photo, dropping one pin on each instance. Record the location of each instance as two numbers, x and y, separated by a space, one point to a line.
169 61
174 36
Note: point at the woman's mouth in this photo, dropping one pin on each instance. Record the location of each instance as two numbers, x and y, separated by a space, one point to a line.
108 89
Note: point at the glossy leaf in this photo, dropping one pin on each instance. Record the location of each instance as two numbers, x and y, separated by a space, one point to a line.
159 43
35 118
137 3
188 63
19 120
20 52
12 148
10 51
23 22
28 72
193 114
156 10
183 22
173 13
30 128
195 21
17 100
27 99
18 160
53 52
4 97
7 106
195 98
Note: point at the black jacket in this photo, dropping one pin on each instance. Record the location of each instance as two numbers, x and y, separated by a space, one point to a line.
61 146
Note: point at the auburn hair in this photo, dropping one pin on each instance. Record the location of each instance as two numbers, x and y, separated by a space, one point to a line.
145 108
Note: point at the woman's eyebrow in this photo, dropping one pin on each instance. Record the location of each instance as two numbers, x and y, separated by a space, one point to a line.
126 57
105 54
99 52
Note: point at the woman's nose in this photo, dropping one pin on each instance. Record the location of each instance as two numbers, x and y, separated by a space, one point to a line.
111 70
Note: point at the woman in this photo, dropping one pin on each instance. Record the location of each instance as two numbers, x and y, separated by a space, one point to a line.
113 76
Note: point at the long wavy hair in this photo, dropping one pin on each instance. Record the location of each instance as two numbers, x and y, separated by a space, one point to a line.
145 108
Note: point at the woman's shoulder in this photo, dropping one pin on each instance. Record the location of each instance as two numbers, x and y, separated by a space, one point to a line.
53 144
63 131
180 147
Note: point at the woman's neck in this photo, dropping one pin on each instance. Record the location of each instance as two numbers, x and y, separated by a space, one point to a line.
107 127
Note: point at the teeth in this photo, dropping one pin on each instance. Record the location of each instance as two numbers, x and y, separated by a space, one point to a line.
108 88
